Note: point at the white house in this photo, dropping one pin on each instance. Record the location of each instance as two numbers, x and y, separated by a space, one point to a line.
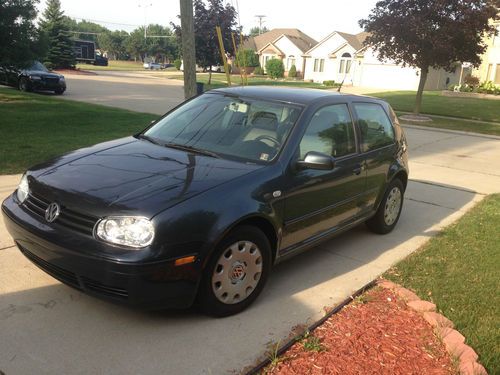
286 44
342 57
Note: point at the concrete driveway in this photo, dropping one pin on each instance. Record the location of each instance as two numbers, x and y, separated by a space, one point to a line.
49 328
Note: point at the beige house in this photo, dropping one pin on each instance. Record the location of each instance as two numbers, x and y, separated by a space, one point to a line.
286 44
490 66
342 57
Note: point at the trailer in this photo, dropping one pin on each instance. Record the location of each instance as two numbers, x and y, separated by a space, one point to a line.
85 52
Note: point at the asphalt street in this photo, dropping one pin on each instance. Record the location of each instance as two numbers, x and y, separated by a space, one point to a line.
49 328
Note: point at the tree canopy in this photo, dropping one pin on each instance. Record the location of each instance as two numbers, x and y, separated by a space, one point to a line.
19 38
208 15
254 31
430 34
60 44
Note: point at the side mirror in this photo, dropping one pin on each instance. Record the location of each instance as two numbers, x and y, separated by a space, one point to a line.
316 160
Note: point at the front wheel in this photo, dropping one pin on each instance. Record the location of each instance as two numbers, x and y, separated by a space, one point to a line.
236 273
59 91
388 213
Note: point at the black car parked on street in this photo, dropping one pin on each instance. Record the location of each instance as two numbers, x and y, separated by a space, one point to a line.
35 78
200 205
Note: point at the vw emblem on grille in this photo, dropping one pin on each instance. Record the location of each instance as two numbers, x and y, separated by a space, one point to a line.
52 212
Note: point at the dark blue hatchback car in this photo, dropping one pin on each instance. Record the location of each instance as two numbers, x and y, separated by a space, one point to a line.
201 205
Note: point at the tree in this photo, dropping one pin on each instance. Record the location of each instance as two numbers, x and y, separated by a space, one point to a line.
206 18
430 34
247 58
114 43
254 31
19 37
188 47
60 45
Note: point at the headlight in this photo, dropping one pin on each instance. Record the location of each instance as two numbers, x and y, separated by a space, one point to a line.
61 79
23 189
35 78
133 231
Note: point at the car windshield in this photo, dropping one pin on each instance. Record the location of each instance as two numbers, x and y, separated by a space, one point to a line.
222 125
37 65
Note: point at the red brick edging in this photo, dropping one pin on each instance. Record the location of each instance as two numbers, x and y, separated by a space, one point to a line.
443 327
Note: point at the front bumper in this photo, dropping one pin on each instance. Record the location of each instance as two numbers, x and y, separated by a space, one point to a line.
47 85
154 285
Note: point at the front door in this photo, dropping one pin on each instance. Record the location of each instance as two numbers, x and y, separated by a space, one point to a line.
318 201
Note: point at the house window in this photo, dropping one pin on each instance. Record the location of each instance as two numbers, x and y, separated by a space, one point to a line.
489 72
497 74
290 62
345 63
319 65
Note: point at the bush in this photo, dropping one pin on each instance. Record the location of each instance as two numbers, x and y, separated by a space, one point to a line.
177 64
329 83
275 68
258 71
489 88
292 73
247 58
471 81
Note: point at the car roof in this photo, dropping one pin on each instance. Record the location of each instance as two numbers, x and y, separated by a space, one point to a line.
286 94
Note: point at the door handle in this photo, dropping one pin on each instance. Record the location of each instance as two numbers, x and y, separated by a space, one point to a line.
357 170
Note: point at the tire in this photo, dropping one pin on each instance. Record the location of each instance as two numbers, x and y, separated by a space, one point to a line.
389 210
231 272
59 91
24 85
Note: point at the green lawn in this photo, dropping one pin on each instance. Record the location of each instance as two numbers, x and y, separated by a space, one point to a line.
457 124
436 104
35 127
459 271
219 80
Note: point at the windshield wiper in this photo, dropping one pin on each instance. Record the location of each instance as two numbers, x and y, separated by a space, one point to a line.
151 139
192 149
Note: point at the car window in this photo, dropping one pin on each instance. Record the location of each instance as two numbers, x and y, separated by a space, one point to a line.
238 127
376 128
330 131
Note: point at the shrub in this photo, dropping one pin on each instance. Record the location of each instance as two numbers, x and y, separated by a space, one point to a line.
329 83
177 64
275 68
247 58
471 80
489 88
292 73
258 71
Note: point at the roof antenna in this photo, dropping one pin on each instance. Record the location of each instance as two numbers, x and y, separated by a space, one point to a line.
341 84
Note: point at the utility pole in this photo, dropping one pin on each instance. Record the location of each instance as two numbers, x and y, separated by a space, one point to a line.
188 50
145 6
260 17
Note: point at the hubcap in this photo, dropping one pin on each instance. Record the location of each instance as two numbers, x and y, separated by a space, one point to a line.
392 206
237 272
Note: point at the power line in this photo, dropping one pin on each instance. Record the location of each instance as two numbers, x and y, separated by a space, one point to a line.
106 22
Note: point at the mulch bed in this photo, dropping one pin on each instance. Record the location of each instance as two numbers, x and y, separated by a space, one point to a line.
376 334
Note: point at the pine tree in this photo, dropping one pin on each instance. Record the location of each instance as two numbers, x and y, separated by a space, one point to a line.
60 52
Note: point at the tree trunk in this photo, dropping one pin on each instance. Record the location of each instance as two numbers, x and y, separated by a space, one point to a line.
188 50
209 75
423 78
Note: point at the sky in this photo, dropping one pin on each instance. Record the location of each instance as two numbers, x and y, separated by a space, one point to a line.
317 18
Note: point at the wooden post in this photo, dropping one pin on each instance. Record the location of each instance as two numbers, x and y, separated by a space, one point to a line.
223 55
188 49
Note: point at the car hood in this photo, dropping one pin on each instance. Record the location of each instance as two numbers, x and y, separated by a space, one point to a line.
130 176
41 73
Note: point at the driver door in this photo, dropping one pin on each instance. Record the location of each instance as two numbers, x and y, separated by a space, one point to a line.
319 201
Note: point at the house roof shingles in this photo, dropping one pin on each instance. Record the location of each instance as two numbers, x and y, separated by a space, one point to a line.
303 41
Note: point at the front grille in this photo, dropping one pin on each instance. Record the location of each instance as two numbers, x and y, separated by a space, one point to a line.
95 286
65 276
68 218
51 80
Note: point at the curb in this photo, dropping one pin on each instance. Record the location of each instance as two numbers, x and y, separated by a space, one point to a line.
453 341
451 131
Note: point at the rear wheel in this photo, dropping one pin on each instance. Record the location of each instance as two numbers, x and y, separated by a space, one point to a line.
237 272
24 84
388 213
